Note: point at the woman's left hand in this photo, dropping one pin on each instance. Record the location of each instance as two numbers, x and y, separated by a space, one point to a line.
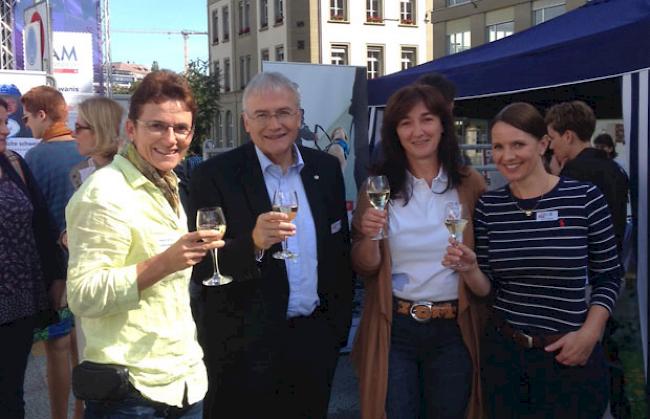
575 347
459 257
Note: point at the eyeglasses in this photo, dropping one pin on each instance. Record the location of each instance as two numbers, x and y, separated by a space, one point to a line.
159 128
78 128
283 116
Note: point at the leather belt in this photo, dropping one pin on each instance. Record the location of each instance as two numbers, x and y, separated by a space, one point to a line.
524 340
423 311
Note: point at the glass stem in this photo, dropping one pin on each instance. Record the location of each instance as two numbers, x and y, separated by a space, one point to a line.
214 260
285 245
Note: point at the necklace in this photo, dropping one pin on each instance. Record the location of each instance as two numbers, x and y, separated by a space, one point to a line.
529 211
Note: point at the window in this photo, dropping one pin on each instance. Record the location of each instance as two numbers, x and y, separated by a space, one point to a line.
500 30
219 129
242 72
248 68
264 55
407 12
373 11
458 35
230 129
215 68
547 9
244 16
499 23
279 11
215 26
409 57
279 53
338 10
339 54
226 74
264 13
455 2
375 61
457 42
226 24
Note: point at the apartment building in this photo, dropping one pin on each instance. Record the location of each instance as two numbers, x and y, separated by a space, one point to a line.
384 36
462 24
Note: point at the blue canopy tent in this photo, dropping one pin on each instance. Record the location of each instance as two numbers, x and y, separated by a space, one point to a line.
604 44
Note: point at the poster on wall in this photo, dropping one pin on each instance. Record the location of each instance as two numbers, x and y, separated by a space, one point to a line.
335 114
37 34
78 16
12 85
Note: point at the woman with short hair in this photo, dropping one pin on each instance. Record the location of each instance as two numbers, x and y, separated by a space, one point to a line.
130 255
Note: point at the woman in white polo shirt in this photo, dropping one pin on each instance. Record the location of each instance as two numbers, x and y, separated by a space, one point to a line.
416 351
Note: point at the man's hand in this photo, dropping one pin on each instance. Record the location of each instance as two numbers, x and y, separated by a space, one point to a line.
271 228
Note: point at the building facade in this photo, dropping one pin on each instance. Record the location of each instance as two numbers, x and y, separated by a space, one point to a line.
462 24
384 36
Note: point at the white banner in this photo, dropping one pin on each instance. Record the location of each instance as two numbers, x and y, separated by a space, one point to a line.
73 62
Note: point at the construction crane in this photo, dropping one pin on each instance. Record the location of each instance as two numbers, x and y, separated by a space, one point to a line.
184 33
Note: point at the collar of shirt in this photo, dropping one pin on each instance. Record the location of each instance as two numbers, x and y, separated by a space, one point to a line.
274 169
439 182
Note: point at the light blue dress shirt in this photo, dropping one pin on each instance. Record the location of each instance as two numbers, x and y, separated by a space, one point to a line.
303 270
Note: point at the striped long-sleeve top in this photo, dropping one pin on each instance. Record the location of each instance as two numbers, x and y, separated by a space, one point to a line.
539 263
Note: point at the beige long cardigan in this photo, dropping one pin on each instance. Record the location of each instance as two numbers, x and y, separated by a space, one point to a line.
370 351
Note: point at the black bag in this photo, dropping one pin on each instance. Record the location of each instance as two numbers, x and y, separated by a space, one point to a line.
100 382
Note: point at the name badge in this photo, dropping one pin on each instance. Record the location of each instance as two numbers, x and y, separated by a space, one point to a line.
165 242
335 227
547 216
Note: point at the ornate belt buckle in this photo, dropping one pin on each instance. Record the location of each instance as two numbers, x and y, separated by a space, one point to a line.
421 311
523 339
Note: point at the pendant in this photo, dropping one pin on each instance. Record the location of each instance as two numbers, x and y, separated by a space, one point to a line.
528 213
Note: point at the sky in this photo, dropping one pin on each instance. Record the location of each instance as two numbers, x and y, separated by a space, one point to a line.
157 15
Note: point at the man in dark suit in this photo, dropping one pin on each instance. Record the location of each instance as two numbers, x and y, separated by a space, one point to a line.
272 336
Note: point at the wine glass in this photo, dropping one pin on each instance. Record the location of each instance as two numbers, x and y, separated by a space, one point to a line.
454 220
378 191
212 218
286 203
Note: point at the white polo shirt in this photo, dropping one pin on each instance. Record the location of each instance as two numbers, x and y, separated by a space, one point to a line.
418 241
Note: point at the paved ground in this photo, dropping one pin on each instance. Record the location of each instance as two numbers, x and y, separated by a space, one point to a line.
344 403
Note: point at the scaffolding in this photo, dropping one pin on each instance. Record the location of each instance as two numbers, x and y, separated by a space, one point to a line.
7 58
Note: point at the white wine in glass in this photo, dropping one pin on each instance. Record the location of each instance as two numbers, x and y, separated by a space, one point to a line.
454 220
212 218
286 203
378 191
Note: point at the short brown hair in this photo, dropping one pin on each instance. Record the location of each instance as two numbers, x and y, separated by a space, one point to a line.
104 117
576 116
48 100
524 117
158 87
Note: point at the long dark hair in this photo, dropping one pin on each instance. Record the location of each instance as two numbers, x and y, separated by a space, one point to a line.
395 164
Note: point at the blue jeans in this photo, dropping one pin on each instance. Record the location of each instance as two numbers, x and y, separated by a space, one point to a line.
134 405
523 383
429 370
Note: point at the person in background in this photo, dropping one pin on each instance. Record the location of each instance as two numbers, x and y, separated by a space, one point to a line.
273 335
51 161
606 143
443 85
538 239
339 146
129 257
411 367
570 127
97 133
29 252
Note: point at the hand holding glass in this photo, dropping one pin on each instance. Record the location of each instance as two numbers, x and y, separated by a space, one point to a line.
378 191
286 203
454 220
212 218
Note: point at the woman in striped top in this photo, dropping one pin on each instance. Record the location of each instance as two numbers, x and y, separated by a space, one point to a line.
539 240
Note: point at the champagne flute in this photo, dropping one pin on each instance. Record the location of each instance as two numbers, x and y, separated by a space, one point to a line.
454 220
286 203
378 191
212 218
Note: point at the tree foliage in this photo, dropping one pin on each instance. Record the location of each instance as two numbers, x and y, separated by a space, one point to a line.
205 87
